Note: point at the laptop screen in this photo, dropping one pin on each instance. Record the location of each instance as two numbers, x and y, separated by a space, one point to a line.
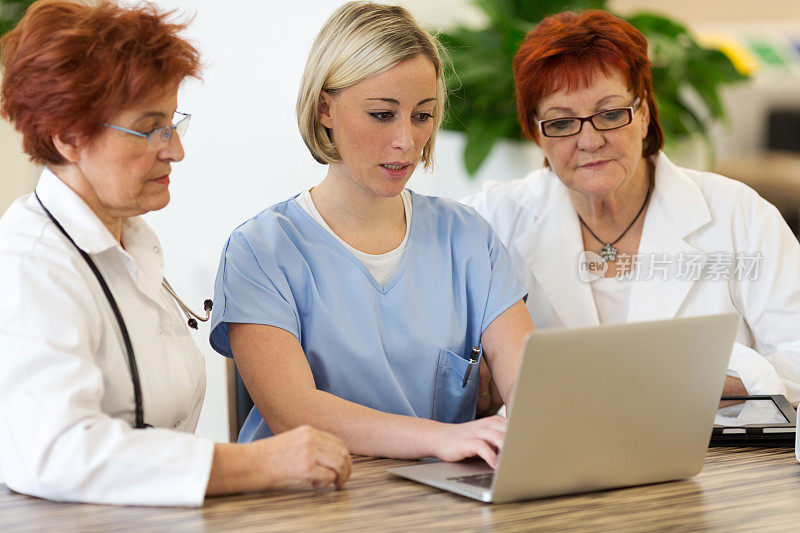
761 411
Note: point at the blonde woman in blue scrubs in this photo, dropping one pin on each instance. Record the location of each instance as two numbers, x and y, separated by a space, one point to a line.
355 305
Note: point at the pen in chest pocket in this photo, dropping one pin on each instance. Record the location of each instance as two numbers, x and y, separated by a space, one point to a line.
473 358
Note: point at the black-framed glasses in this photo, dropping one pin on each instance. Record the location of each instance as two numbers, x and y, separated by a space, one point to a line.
160 136
610 119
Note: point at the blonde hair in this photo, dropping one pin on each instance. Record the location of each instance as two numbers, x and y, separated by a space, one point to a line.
361 40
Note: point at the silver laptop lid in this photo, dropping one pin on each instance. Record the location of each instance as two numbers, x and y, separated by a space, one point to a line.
612 406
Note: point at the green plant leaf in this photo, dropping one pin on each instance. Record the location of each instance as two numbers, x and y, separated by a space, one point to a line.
654 24
481 138
500 13
713 64
533 11
10 13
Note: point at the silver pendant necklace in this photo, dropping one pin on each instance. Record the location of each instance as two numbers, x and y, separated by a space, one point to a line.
608 252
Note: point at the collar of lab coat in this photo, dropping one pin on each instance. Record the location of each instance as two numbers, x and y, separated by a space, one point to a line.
552 245
142 252
74 215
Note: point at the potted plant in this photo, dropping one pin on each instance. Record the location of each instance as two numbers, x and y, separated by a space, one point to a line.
686 76
11 12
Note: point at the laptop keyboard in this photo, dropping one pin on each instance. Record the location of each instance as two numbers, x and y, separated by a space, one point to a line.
478 480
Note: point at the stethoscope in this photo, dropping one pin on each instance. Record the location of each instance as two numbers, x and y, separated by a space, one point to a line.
126 339
190 315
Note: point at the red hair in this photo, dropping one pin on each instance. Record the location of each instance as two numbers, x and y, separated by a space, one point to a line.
68 66
566 51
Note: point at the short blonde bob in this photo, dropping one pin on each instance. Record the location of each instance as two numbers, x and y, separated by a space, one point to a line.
361 40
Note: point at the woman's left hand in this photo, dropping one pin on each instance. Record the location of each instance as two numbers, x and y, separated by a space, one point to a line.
734 387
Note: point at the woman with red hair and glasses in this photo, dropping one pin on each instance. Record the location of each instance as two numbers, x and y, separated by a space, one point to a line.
93 87
611 231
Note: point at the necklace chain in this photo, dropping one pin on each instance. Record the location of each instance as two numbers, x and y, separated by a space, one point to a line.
608 252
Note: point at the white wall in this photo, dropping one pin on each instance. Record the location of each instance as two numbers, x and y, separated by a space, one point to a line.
706 11
243 151
17 173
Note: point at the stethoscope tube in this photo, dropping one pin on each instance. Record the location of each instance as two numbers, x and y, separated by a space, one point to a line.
190 315
126 339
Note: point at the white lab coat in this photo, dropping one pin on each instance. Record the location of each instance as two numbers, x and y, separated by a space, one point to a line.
66 397
690 213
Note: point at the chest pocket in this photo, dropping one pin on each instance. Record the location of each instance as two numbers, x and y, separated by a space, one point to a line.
452 402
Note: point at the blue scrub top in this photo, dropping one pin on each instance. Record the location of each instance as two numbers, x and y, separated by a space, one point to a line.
402 347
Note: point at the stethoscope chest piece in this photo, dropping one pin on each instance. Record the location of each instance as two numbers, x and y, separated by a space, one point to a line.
191 316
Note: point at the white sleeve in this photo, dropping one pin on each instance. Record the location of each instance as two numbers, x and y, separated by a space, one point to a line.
498 203
501 211
486 207
769 301
755 371
55 440
476 200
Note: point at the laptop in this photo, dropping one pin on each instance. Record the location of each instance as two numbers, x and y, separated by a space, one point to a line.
600 408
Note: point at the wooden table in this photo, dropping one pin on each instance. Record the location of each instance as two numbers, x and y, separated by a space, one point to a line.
739 489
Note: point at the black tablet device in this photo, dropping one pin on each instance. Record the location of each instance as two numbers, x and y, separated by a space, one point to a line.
754 421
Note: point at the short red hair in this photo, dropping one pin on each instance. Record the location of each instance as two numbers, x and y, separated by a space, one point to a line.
70 65
568 49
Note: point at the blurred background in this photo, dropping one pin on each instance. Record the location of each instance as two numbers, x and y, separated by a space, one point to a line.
243 151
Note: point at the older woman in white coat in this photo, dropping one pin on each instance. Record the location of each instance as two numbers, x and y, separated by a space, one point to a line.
612 231
101 385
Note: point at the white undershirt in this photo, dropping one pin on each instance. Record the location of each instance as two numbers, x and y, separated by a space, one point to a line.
612 298
382 266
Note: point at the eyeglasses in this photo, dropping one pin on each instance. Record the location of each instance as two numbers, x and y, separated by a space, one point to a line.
609 119
160 136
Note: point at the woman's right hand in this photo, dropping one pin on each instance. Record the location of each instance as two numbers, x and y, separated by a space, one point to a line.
303 455
482 437
300 456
